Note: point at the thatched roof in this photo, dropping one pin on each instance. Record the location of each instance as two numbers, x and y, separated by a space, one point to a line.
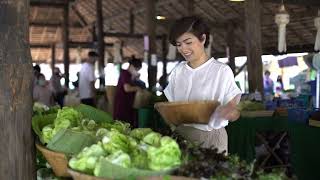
46 20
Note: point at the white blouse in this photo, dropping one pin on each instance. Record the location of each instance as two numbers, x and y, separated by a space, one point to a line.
210 81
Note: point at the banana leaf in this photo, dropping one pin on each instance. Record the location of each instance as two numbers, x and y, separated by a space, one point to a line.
71 142
39 121
112 171
94 113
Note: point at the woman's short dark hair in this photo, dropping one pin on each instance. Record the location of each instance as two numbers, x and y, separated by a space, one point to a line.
191 24
135 63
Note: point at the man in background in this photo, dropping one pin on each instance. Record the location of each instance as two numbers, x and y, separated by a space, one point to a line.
87 80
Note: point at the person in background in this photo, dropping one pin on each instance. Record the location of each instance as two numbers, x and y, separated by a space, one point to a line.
267 83
87 80
36 73
58 91
42 92
125 93
199 78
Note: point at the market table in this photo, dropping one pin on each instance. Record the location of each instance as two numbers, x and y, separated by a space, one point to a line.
303 142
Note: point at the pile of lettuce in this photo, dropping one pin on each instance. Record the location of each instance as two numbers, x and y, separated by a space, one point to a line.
140 148
75 120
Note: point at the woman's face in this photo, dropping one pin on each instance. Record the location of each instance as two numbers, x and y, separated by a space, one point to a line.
190 47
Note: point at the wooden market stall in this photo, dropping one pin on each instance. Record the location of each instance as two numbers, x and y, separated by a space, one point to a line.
63 30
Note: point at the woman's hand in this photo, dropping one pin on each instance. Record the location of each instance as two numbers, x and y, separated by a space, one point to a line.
228 112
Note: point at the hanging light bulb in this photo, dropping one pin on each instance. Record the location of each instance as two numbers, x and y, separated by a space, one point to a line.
282 19
317 25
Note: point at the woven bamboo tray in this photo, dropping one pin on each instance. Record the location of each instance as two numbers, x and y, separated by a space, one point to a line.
257 113
186 112
58 161
314 123
80 176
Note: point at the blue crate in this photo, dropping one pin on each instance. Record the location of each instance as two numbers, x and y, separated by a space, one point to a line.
299 115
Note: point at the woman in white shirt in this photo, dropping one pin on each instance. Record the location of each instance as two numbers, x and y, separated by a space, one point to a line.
202 78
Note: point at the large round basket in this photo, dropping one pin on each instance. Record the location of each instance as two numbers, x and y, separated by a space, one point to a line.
80 176
187 112
58 161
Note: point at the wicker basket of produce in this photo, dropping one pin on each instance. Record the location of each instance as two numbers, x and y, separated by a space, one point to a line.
261 113
187 112
81 176
58 161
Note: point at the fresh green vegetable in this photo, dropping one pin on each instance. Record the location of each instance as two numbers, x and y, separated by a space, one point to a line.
87 159
152 138
140 133
115 141
120 158
167 156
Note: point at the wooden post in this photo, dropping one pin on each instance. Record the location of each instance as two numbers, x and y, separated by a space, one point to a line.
53 57
164 56
17 151
151 32
100 39
253 45
231 46
65 43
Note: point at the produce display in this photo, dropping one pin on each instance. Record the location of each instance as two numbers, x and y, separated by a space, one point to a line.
99 146
208 163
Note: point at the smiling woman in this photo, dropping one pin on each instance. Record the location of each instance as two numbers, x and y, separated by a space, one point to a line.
202 78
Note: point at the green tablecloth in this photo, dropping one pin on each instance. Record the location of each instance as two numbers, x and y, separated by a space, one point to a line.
304 142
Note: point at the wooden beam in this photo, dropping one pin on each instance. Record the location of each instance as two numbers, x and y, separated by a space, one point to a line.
253 45
65 43
296 2
72 44
131 22
53 25
53 57
50 3
100 42
150 19
79 16
128 35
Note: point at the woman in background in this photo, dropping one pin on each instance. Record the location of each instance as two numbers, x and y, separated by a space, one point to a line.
125 93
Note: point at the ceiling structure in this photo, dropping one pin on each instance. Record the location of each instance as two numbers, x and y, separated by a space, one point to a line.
46 17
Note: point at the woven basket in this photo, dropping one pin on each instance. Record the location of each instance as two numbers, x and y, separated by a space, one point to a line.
58 161
80 176
187 112
257 113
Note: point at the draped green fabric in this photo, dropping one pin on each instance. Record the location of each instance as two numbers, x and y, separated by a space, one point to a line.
304 142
